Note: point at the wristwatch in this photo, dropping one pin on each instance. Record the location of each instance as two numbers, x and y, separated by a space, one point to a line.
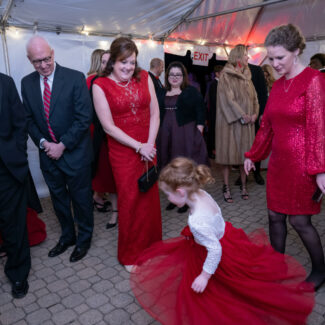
41 143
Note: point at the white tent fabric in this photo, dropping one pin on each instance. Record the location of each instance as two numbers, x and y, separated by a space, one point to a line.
76 27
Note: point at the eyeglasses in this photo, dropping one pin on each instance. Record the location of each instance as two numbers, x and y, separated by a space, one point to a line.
45 60
176 75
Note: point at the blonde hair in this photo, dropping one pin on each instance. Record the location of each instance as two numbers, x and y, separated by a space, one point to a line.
185 172
270 77
237 54
96 57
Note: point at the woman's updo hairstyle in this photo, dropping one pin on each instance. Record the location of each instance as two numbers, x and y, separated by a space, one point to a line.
185 172
289 36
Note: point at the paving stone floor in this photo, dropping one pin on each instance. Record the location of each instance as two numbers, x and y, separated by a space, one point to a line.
95 290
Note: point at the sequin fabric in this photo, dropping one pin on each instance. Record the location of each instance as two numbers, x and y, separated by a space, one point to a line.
293 130
207 230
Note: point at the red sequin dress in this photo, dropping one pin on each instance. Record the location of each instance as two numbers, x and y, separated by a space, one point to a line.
139 215
103 181
293 129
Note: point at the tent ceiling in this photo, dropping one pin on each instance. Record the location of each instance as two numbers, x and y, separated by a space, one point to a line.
168 19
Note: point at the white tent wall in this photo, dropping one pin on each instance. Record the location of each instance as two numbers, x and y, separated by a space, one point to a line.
70 50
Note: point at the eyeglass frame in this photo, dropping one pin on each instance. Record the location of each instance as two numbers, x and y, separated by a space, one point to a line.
176 75
46 60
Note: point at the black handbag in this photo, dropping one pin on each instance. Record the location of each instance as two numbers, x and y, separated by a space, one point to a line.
148 178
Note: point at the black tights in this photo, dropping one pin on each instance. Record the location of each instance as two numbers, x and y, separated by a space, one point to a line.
309 236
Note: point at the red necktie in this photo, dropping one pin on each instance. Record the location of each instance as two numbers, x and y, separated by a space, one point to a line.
47 101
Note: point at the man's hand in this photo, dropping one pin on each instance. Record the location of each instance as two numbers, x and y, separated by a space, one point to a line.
54 150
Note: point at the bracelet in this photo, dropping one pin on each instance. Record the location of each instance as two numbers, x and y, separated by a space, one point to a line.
139 148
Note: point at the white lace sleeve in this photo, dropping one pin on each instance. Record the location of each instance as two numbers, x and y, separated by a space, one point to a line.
206 236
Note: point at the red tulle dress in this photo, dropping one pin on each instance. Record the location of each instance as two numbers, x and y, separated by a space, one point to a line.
103 181
293 128
139 213
251 283
36 228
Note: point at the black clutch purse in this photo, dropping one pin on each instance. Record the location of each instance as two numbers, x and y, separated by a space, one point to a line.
148 178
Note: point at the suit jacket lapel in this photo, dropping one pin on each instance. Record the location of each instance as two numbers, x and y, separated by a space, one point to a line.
37 93
56 87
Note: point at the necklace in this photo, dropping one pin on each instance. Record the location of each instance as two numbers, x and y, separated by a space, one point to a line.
119 83
286 89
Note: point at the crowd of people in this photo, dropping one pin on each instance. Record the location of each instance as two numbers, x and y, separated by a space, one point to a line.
102 134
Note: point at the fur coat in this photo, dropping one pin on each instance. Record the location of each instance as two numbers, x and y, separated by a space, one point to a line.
236 96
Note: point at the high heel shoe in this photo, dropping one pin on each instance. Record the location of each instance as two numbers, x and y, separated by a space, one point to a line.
226 194
102 207
170 206
244 194
111 225
182 209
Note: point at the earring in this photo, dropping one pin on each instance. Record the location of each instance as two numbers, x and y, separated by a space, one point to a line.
295 60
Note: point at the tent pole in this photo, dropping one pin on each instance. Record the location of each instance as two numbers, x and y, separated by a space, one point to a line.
183 19
226 12
257 17
6 12
5 50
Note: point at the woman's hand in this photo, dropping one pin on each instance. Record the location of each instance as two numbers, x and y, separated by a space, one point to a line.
260 120
248 165
320 180
253 118
148 151
246 118
200 128
200 282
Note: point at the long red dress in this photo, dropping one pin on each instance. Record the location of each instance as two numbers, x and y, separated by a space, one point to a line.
293 128
103 181
251 283
139 213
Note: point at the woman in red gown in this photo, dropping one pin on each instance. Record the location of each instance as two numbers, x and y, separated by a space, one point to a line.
103 180
127 108
293 128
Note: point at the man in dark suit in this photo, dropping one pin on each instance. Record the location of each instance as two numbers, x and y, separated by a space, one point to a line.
212 106
317 62
259 83
156 69
59 114
13 179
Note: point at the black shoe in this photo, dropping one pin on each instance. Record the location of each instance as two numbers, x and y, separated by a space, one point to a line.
19 289
111 225
226 194
59 248
170 206
182 209
78 253
259 179
102 207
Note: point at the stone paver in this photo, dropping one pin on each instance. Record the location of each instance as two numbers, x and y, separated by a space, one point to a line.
96 290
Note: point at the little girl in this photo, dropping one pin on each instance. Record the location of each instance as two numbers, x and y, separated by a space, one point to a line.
215 273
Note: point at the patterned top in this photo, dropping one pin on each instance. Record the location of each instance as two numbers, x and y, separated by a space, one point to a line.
207 229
